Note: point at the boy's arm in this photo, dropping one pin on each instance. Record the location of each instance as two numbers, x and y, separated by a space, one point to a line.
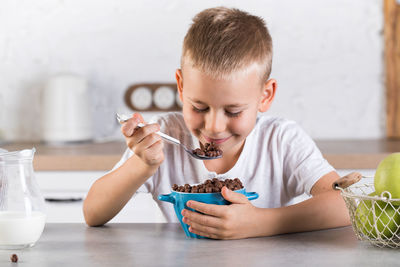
109 194
326 209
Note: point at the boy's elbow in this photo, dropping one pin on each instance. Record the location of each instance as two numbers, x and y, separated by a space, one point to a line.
90 222
90 217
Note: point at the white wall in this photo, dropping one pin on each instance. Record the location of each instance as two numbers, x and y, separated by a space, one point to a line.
328 58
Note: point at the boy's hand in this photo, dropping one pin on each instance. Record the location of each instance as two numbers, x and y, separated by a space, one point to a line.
144 141
222 221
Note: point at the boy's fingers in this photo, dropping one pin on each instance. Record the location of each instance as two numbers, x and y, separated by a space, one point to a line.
137 135
192 218
202 228
210 209
154 153
145 131
126 130
205 234
138 116
129 126
233 197
147 142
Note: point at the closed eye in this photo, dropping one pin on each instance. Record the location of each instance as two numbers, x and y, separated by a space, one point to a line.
232 114
200 110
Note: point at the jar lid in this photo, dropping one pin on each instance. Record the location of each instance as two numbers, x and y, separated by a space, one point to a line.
16 155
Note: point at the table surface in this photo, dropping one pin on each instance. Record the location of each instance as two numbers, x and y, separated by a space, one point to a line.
166 245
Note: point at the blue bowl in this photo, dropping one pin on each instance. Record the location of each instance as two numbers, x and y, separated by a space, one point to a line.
179 200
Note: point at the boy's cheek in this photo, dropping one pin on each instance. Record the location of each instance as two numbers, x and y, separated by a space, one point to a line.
194 122
245 125
190 117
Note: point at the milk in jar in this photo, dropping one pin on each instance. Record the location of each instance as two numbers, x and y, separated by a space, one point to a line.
22 215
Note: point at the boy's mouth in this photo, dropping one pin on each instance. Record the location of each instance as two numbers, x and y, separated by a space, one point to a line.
216 141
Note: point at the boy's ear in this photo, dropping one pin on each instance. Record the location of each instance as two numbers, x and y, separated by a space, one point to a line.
179 83
267 95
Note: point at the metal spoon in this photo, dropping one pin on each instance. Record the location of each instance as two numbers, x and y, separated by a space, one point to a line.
124 118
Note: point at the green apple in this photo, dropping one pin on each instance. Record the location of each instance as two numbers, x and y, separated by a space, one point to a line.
384 216
387 175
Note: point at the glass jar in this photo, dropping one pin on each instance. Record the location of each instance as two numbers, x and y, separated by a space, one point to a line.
22 209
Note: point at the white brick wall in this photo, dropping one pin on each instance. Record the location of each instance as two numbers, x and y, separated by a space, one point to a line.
328 58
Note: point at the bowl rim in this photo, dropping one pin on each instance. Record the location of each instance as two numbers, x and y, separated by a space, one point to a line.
173 191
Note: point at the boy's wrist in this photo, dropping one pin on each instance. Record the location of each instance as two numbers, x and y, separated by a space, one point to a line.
267 222
141 168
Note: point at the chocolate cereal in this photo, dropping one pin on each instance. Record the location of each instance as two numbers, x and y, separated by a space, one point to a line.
209 150
210 186
14 258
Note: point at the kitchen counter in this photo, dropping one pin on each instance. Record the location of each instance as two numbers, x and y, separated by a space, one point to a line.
166 245
73 157
343 154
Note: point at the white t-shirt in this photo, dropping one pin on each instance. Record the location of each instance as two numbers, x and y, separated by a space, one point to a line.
279 161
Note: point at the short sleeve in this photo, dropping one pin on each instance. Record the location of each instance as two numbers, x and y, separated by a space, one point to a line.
304 164
127 154
144 188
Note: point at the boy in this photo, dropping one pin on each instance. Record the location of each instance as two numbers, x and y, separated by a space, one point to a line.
223 83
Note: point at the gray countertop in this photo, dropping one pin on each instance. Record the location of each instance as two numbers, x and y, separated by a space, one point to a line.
167 245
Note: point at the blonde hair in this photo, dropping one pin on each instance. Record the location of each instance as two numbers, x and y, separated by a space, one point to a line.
223 40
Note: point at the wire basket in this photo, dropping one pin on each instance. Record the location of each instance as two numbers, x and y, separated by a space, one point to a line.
374 218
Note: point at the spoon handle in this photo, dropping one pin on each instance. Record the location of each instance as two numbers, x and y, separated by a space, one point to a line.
165 136
122 119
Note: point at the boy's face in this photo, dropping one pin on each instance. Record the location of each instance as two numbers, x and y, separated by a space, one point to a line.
223 111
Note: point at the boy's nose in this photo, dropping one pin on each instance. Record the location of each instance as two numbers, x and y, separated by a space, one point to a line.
215 123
